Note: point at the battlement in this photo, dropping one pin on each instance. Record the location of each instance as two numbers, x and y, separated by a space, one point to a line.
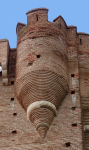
37 15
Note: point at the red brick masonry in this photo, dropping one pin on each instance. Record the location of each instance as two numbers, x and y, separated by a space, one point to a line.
48 76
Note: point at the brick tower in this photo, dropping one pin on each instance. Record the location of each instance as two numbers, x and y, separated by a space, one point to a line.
42 69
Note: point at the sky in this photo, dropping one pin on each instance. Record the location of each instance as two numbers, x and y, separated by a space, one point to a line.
74 12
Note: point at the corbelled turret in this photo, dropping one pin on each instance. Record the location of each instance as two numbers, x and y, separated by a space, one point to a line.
41 69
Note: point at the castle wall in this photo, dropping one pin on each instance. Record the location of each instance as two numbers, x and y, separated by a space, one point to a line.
83 57
26 137
60 44
12 64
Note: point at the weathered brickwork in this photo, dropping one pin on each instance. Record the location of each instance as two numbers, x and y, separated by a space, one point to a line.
45 80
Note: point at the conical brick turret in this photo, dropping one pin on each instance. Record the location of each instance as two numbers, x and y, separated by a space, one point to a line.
42 70
42 119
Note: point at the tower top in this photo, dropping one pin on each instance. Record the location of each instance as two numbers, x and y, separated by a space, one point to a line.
37 9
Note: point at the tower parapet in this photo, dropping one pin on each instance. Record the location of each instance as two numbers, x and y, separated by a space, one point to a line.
38 14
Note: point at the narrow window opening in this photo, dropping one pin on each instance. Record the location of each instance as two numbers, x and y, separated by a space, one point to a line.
38 56
37 17
12 82
12 99
14 132
72 92
72 75
14 114
74 124
68 144
30 63
73 108
80 41
0 70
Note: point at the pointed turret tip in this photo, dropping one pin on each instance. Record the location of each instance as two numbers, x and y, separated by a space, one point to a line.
42 129
42 132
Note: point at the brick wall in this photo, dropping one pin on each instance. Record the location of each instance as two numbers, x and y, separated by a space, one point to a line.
83 56
46 52
26 137
4 50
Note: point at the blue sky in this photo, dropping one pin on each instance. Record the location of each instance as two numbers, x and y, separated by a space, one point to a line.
74 12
